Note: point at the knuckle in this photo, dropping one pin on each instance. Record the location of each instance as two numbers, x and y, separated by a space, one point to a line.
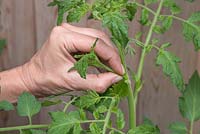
56 30
100 87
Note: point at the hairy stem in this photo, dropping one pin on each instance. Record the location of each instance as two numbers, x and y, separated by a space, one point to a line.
108 116
191 127
24 127
68 104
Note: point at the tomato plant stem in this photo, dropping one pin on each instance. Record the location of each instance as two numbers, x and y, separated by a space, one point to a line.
191 127
24 127
108 116
148 39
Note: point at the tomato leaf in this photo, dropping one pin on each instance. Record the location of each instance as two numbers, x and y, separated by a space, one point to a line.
170 66
6 106
77 13
189 102
88 60
116 24
27 105
178 128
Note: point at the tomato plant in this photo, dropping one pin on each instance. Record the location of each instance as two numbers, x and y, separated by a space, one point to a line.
114 15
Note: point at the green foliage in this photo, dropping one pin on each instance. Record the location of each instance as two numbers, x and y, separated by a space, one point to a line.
6 106
189 102
146 128
191 29
2 45
171 4
170 67
144 19
28 105
178 128
114 16
88 60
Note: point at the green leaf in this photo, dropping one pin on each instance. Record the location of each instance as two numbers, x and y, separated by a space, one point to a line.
195 17
27 105
190 100
2 45
145 129
65 6
119 89
47 103
171 4
170 67
62 123
131 10
144 19
6 106
178 128
94 128
85 101
120 119
77 13
147 2
115 21
88 60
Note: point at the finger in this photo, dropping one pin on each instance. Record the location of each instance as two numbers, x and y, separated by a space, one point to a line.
83 43
97 82
90 32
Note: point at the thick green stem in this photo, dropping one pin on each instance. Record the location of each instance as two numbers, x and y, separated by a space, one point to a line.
24 127
191 127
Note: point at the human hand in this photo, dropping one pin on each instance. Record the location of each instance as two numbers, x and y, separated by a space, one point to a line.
47 72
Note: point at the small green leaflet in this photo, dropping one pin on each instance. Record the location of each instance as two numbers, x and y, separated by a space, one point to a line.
47 103
27 105
115 22
145 129
2 45
131 10
171 4
88 60
190 100
191 29
85 101
178 128
120 119
170 66
166 24
119 89
77 13
6 106
94 128
76 8
64 123
144 19
147 2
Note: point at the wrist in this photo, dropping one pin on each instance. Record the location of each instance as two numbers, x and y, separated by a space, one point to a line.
11 84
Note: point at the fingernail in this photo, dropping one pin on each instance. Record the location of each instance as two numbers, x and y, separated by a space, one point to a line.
123 70
117 79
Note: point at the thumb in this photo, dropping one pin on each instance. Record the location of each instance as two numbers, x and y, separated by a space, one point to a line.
100 82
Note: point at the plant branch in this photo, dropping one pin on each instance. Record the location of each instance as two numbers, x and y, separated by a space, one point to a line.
116 130
145 7
24 127
69 103
108 116
191 127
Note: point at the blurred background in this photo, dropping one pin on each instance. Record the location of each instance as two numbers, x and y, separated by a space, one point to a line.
26 24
